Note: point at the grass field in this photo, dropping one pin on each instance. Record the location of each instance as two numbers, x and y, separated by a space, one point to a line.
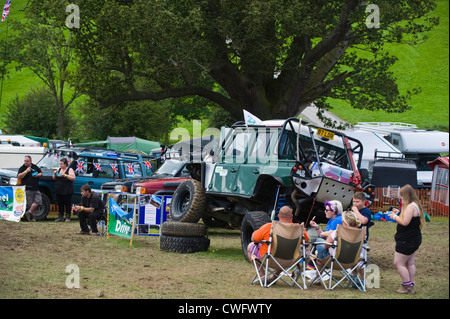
34 257
426 66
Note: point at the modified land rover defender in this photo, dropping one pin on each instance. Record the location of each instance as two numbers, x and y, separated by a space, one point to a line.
259 168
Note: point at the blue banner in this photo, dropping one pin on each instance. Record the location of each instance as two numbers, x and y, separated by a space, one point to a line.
13 203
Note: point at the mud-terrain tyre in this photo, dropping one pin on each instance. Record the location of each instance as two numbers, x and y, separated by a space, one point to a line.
188 202
43 209
183 244
172 228
251 222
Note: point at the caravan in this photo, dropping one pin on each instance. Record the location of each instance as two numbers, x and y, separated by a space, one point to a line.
13 148
416 144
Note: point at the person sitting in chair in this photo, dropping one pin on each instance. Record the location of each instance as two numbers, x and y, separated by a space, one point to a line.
258 247
333 211
349 219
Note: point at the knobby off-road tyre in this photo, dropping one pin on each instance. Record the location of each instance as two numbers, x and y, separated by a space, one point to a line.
172 228
43 210
183 244
251 222
188 202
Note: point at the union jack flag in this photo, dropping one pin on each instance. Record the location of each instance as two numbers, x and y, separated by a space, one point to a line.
98 167
80 166
130 168
148 164
115 169
6 9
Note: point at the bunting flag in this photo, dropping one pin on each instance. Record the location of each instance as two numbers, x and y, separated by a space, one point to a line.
130 169
115 168
148 165
80 166
98 167
6 9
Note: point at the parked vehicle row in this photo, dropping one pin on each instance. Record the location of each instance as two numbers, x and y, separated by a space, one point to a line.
93 166
251 172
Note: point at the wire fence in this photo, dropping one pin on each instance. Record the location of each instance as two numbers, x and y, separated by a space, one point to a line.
434 203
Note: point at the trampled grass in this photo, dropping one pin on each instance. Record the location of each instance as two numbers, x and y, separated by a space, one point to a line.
34 257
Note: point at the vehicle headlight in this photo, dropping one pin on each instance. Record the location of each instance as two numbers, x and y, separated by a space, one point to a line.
13 181
117 188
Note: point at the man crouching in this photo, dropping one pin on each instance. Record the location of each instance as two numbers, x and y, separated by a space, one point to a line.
90 210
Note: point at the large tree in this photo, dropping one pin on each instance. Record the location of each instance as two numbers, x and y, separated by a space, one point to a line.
43 47
271 57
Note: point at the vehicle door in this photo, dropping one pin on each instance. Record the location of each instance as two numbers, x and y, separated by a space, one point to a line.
94 172
225 176
261 159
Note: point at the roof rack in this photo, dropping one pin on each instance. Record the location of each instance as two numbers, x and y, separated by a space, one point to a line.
386 127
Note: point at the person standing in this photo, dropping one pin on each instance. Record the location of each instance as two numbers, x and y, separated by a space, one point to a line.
363 213
29 175
64 177
408 237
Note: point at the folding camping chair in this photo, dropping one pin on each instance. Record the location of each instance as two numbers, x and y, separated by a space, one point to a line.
286 254
348 259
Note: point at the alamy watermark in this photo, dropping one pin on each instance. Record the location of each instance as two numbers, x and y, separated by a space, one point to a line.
73 19
73 279
373 19
372 276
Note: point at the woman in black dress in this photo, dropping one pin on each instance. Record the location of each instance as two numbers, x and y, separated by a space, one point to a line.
408 237
64 177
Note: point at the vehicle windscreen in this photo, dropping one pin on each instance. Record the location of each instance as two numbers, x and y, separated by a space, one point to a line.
51 161
315 145
170 167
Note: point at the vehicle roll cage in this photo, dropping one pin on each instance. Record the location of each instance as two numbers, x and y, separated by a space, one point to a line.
349 151
289 125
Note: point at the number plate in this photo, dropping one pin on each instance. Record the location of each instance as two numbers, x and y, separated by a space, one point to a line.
326 134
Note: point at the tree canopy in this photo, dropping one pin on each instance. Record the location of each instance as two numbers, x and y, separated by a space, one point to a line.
271 57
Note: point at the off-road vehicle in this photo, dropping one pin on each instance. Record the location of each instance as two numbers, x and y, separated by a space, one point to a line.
93 166
259 168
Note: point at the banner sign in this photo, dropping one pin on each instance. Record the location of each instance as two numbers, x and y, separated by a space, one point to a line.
147 211
120 222
13 203
153 211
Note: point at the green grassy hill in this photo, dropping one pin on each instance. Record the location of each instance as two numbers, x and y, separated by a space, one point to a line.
425 65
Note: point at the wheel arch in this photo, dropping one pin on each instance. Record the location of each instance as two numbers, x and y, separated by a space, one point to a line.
266 186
